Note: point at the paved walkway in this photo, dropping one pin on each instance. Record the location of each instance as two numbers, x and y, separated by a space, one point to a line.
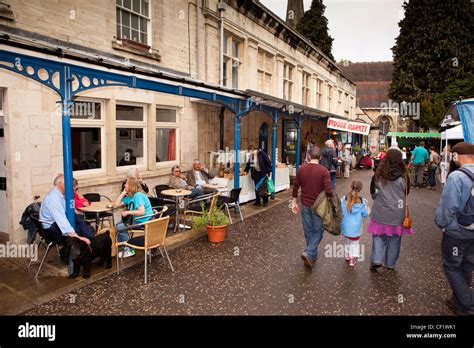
258 270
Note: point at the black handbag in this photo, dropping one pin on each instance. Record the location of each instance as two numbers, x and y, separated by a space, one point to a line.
335 162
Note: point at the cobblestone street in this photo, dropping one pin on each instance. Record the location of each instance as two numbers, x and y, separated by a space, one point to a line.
258 271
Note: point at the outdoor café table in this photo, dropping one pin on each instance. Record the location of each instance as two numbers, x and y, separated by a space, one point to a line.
215 186
97 208
177 194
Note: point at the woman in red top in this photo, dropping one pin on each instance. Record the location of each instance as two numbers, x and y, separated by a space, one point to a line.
79 201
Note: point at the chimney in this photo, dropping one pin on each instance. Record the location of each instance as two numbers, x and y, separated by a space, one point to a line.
294 12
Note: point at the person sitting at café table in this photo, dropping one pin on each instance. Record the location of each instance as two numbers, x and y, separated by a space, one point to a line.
138 206
53 217
199 176
79 201
179 181
134 173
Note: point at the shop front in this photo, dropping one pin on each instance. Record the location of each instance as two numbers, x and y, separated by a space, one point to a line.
349 132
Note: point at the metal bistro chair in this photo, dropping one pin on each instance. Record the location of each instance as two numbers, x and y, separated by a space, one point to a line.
162 199
197 203
154 237
232 202
44 241
105 216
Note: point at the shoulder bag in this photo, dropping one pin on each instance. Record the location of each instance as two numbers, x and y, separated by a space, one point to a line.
407 219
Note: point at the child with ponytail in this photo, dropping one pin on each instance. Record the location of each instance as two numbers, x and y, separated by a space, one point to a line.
354 209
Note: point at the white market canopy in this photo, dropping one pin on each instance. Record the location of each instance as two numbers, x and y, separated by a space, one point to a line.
453 133
348 126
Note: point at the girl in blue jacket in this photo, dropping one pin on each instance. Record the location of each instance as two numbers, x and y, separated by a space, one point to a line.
354 209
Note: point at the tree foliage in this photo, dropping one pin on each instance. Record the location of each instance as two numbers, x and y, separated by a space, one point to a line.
314 26
434 56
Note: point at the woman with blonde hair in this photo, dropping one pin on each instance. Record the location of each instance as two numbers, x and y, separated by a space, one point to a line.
354 209
138 210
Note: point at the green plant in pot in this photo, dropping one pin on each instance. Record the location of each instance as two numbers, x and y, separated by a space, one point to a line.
216 222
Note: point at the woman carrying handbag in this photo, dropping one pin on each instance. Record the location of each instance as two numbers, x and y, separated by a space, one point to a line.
390 218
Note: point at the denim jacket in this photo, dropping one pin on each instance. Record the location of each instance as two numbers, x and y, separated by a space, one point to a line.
455 196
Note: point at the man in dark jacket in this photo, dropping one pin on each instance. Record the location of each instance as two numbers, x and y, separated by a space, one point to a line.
329 160
259 166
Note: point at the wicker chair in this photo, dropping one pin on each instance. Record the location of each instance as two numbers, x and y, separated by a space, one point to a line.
154 238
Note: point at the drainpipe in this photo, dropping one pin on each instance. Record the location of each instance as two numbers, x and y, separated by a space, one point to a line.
221 128
221 6
198 15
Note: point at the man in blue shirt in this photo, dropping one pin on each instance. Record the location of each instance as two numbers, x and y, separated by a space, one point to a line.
53 216
419 157
458 240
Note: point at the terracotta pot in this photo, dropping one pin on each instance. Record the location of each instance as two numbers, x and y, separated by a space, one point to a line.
216 234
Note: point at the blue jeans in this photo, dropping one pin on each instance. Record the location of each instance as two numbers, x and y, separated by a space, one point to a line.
313 231
385 250
122 236
196 192
333 180
458 264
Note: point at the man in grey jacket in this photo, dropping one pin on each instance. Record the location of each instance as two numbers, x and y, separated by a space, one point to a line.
199 177
458 240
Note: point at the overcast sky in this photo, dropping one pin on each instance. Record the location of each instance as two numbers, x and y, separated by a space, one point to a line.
363 30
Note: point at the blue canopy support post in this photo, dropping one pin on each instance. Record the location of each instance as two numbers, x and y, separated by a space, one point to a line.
298 141
274 146
66 103
237 120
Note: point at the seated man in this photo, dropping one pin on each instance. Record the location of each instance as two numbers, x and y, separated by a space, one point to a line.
199 176
179 181
53 216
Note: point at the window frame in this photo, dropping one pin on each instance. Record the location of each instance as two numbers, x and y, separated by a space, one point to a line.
330 96
88 123
305 88
231 61
319 93
140 15
263 71
169 125
132 124
288 82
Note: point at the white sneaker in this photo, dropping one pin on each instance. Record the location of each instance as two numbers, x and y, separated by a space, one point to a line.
127 253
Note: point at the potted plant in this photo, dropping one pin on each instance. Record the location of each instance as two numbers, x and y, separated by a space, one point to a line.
216 222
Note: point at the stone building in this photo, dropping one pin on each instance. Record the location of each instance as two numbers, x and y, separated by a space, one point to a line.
373 82
261 57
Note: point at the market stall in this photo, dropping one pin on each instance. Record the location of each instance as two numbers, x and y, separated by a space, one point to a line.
282 182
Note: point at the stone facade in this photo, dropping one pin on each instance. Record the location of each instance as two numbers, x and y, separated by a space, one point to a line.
183 40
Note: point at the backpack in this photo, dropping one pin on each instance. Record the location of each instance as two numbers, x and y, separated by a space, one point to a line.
465 217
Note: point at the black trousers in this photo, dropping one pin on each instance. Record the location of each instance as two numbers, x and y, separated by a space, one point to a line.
257 176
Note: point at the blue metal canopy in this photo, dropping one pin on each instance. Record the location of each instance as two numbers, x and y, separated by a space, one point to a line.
68 79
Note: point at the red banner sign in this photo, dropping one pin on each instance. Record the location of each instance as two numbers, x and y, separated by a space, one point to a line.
348 126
